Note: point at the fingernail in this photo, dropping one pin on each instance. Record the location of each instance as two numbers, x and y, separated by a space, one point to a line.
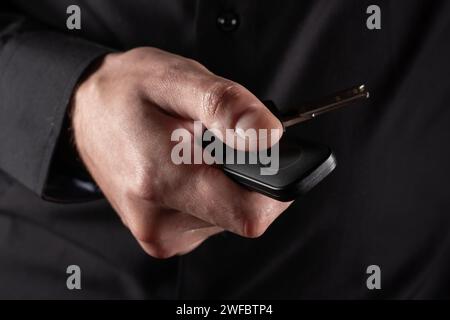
257 119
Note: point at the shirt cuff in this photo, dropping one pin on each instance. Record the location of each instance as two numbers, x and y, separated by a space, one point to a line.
38 73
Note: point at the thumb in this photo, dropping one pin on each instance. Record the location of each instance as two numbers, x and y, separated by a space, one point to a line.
220 104
228 105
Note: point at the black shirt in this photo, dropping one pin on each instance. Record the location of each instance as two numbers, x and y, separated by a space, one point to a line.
387 203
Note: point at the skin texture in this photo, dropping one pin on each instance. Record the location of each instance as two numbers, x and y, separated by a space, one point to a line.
123 114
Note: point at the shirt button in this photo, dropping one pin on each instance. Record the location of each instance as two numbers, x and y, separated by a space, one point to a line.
228 21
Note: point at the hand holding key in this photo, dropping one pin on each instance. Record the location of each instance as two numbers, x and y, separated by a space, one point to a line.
124 112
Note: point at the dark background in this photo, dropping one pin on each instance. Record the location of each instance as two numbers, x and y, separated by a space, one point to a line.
387 203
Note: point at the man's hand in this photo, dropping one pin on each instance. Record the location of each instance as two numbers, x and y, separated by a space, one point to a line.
123 115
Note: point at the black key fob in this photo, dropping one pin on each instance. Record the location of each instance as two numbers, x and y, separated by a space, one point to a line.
301 166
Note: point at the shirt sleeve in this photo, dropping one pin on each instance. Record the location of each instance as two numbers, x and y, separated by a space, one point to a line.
39 69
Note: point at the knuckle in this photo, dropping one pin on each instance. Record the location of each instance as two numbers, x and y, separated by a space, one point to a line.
255 226
145 233
217 96
159 251
177 68
146 230
174 69
143 185
194 64
138 53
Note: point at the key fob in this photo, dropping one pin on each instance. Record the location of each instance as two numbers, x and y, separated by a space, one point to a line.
302 165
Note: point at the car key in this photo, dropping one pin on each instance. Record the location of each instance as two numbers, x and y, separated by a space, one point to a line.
302 164
330 103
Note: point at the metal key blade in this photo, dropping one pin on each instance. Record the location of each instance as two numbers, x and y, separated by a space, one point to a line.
334 102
